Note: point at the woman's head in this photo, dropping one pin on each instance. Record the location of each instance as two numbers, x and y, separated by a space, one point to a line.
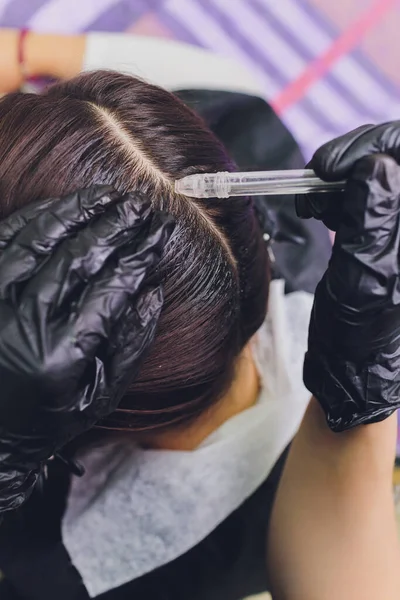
114 129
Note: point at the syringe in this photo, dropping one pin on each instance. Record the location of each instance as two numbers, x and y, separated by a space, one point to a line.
256 183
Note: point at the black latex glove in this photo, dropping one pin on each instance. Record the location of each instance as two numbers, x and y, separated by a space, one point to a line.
75 319
352 365
334 161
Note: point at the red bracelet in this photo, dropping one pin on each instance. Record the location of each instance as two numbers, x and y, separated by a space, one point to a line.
22 54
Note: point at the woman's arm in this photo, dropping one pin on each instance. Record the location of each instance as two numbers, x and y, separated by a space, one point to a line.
44 55
165 62
333 530
10 72
57 56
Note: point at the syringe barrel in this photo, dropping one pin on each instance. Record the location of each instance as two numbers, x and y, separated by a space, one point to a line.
256 183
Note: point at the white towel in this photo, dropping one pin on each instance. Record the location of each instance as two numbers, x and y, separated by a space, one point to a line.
135 510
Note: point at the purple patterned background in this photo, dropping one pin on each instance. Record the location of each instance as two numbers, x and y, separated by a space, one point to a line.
326 67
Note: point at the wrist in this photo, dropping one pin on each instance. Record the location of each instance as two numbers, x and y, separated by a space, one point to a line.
56 56
370 447
11 74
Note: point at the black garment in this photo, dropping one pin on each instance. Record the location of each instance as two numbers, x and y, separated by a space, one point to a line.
33 559
230 563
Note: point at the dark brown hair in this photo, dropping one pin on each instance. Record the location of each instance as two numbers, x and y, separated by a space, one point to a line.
105 127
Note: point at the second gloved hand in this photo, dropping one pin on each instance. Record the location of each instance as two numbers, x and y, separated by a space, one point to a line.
76 316
352 365
335 160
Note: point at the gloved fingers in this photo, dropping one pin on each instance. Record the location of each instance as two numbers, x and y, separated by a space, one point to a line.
15 487
116 323
80 258
335 159
108 353
131 337
372 199
35 231
326 207
13 224
365 258
107 298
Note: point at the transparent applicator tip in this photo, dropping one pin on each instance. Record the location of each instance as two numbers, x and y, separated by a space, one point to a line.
205 185
225 184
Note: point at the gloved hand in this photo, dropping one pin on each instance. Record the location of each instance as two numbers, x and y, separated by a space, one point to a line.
75 319
352 365
334 161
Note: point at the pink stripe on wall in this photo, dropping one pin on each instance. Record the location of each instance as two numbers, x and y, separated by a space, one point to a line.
149 24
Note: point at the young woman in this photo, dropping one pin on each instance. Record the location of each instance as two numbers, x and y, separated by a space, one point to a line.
176 497
194 424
